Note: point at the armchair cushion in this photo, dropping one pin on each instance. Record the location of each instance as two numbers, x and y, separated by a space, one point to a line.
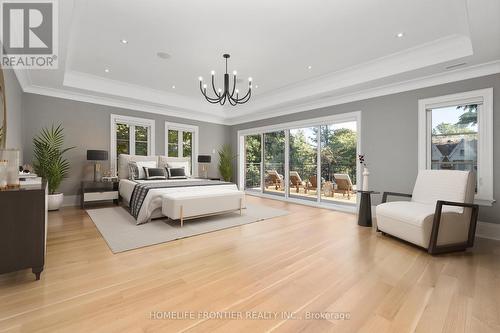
412 221
448 185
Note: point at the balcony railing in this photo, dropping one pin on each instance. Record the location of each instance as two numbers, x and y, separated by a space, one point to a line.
305 171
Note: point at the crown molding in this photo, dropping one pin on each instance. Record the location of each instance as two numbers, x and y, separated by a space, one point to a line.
393 88
76 96
489 68
421 56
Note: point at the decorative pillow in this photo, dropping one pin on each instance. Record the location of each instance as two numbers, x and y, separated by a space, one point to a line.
141 165
176 173
155 173
180 164
133 171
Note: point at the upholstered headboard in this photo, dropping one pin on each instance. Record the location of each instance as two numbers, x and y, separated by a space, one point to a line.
161 161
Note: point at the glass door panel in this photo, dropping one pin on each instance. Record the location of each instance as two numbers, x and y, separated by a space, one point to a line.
274 163
141 140
253 165
338 144
303 161
173 143
187 148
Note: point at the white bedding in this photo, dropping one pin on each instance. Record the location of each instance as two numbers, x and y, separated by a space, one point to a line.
151 208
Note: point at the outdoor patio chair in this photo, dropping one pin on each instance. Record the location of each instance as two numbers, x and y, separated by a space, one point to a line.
344 184
296 181
312 184
273 178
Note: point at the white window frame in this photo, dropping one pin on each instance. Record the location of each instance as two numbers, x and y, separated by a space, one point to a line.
131 122
484 195
195 140
313 122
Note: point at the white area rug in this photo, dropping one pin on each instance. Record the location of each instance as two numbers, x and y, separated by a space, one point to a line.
121 233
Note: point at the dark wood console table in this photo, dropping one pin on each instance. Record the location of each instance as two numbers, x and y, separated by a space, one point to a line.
23 228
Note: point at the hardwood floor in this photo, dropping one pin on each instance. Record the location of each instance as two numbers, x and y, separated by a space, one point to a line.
313 262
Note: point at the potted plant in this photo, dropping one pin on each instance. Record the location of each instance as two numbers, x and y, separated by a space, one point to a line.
49 162
226 158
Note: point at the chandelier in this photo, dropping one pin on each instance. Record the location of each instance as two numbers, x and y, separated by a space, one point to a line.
227 94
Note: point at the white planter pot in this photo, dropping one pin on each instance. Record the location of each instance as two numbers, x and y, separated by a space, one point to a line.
55 201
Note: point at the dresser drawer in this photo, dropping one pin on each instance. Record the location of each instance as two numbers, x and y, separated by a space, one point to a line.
97 196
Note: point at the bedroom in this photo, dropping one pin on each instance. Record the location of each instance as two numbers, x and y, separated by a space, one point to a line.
270 215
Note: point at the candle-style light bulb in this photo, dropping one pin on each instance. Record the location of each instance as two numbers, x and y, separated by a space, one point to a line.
213 73
234 73
200 78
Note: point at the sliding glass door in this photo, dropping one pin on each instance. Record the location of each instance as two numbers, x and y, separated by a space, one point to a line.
303 163
274 163
317 162
338 144
253 165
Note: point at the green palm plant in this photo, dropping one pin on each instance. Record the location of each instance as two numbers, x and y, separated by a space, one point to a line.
49 162
226 158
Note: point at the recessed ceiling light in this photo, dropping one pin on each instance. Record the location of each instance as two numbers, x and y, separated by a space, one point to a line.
309 67
163 55
106 70
400 34
256 86
124 41
173 87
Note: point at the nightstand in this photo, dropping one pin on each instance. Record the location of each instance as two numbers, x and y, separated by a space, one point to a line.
98 191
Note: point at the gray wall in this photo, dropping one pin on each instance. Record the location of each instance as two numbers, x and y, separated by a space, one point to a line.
13 97
87 126
389 134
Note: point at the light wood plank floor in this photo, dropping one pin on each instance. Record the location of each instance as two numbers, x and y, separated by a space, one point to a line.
310 262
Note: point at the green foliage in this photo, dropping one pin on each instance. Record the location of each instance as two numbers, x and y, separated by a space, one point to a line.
466 119
48 156
226 158
469 117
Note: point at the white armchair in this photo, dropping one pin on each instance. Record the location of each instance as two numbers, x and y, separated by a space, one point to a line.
440 216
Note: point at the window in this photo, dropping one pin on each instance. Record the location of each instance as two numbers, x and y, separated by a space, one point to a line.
313 161
456 133
130 135
182 141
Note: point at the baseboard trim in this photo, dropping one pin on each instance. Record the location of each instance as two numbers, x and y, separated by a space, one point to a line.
488 230
71 200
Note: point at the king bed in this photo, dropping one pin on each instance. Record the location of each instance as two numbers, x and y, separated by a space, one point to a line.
145 198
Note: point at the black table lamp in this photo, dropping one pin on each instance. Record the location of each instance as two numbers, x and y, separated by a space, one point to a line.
204 160
97 155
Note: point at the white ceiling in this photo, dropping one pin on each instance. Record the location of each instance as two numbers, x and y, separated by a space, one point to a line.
351 46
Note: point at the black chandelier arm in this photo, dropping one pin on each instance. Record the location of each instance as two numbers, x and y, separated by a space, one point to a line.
231 101
223 101
245 98
210 99
213 87
234 85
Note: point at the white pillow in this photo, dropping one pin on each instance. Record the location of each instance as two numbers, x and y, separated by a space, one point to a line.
182 164
147 164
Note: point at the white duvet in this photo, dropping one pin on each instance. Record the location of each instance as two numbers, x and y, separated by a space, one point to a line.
151 207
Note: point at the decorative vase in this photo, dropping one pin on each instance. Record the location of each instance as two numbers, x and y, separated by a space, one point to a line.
3 174
11 172
366 173
55 201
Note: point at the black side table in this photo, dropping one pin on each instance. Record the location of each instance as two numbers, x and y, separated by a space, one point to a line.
98 191
365 208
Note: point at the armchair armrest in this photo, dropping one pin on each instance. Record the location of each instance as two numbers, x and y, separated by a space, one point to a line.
433 248
395 194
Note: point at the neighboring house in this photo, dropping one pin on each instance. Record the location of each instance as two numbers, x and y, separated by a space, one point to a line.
456 154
